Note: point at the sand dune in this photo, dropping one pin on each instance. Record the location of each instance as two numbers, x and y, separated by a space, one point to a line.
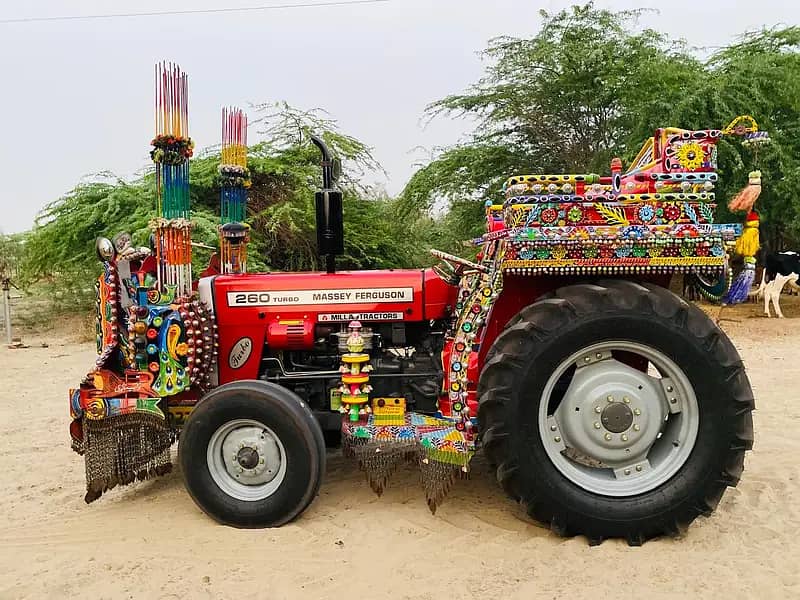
150 541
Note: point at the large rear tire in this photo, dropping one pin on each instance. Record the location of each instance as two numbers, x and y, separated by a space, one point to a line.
615 410
252 454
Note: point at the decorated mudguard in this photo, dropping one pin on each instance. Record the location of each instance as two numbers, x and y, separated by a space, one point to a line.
156 341
152 348
656 218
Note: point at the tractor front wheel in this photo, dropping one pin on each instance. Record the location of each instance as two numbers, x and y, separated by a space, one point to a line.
252 454
615 410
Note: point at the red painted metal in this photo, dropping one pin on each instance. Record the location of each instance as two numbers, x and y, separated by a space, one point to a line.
282 310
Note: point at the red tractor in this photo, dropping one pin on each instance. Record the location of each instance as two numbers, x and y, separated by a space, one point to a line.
607 405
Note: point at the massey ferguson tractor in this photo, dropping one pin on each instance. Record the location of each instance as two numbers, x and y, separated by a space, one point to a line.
605 404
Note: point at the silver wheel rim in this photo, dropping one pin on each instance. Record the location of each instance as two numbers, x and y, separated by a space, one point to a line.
618 431
246 460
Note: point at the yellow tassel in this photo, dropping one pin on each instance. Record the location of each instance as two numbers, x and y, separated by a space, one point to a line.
747 245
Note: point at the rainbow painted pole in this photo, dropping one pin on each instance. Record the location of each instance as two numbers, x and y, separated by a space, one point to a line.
172 148
235 180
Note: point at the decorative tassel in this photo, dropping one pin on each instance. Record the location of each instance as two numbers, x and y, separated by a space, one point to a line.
740 289
748 243
744 200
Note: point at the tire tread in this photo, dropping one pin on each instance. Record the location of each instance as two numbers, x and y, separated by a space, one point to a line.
553 312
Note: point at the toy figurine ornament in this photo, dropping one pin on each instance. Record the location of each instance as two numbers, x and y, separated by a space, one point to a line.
517 352
355 370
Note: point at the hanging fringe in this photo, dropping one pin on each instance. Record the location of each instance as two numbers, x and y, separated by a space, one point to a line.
122 449
434 445
379 460
437 478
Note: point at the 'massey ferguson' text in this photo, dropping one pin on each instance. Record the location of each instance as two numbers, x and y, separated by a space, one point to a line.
311 297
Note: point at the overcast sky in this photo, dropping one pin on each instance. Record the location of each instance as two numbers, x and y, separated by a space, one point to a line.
76 96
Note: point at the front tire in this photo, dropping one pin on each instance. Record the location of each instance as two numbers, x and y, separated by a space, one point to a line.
615 410
252 454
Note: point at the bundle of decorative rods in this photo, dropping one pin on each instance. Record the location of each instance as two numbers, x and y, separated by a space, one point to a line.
172 150
234 165
234 179
234 137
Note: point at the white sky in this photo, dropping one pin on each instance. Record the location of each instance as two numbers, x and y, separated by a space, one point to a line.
76 96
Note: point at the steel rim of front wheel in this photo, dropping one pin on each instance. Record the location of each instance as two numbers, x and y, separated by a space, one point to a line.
246 460
616 430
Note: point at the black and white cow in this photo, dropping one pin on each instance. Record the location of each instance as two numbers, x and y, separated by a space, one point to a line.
780 268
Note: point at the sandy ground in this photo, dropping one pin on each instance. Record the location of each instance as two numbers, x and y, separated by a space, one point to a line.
150 541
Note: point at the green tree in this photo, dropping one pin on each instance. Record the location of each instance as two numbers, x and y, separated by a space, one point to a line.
565 100
285 172
759 75
11 253
590 86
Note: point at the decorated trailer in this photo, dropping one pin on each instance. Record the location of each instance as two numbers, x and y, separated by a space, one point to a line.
607 405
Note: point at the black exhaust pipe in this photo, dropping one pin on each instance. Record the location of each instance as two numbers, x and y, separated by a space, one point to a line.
328 205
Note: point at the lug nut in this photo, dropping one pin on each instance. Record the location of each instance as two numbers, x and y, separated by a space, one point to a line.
669 388
639 468
599 355
624 437
598 410
596 425
610 398
587 359
626 400
608 437
553 427
557 439
627 471
637 412
636 428
673 400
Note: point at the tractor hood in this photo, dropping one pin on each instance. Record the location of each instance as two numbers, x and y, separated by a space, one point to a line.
387 295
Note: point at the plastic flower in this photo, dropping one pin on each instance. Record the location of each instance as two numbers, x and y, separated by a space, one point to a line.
575 214
646 213
691 156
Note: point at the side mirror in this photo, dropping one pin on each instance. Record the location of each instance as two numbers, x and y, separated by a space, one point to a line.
336 169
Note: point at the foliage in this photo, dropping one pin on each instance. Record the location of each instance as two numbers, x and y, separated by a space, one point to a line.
11 252
285 173
590 85
758 75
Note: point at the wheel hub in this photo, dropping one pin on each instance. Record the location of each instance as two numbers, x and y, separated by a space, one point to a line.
616 417
615 429
251 455
611 413
247 457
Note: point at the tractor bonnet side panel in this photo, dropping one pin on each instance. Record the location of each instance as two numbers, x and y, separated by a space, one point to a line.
282 310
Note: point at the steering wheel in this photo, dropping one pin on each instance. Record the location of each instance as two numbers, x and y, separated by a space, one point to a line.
458 264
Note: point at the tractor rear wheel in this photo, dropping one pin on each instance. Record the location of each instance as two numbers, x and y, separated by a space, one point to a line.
252 454
615 410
